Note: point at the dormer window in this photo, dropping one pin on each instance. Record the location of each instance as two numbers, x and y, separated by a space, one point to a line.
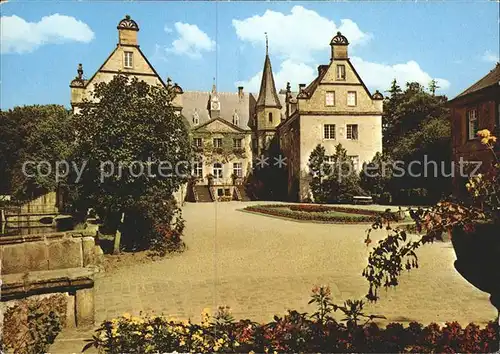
127 59
270 117
236 119
340 72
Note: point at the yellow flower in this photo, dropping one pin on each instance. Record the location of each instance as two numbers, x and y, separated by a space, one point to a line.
149 328
182 342
126 315
493 139
484 141
485 133
148 336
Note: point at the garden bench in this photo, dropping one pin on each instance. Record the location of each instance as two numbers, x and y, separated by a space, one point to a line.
359 199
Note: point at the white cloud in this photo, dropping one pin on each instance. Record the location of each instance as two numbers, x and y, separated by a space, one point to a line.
191 42
490 57
289 71
296 35
379 76
19 36
167 29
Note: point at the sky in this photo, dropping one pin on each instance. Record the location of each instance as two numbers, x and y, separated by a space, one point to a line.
42 43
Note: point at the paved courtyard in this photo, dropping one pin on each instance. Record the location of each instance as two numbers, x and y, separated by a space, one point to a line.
262 266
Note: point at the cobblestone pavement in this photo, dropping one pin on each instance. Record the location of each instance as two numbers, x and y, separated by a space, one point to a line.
261 266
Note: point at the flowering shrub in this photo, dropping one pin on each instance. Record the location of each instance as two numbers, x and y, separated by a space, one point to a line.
294 332
310 208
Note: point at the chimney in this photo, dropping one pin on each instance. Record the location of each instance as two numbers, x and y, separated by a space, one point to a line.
339 46
240 92
127 31
301 87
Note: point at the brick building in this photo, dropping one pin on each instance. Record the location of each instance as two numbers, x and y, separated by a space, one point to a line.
477 108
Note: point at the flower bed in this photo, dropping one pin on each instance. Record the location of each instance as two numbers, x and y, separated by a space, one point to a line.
294 332
312 212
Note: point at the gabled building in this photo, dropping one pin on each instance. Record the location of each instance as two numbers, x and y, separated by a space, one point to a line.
126 59
476 108
231 129
334 108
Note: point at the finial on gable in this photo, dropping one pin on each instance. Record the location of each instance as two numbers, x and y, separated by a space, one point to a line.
80 71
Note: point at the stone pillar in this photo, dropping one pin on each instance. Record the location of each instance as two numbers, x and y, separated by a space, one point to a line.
85 307
70 312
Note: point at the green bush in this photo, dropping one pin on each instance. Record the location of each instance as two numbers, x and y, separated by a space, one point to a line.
32 325
385 198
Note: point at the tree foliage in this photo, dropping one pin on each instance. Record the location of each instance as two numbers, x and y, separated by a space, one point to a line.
416 126
32 133
319 170
133 145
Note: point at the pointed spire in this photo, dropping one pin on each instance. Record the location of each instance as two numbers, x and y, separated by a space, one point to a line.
214 86
267 44
268 97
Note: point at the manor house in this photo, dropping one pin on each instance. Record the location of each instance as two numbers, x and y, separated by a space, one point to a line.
231 129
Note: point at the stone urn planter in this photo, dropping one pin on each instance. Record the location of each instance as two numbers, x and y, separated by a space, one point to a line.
478 258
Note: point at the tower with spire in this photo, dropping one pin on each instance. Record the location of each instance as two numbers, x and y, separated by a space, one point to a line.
268 106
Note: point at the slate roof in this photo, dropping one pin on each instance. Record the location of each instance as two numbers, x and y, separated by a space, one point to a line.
230 102
267 94
490 79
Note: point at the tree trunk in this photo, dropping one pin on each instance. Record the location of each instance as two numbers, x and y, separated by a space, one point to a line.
118 236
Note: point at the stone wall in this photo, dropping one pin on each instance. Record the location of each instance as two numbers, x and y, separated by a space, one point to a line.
53 251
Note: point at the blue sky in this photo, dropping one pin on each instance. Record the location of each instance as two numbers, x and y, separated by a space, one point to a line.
42 42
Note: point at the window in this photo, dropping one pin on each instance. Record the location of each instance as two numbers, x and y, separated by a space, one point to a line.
237 143
330 159
236 119
472 123
217 142
352 132
351 98
196 118
355 161
330 99
329 131
127 59
198 169
198 142
217 170
270 117
254 144
237 169
340 72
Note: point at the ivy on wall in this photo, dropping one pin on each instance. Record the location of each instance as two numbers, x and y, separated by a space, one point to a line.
226 152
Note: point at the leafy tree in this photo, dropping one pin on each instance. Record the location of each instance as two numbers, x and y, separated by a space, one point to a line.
343 181
433 86
417 127
33 133
376 174
319 170
133 145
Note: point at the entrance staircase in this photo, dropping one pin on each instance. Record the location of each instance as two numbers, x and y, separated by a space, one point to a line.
202 194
